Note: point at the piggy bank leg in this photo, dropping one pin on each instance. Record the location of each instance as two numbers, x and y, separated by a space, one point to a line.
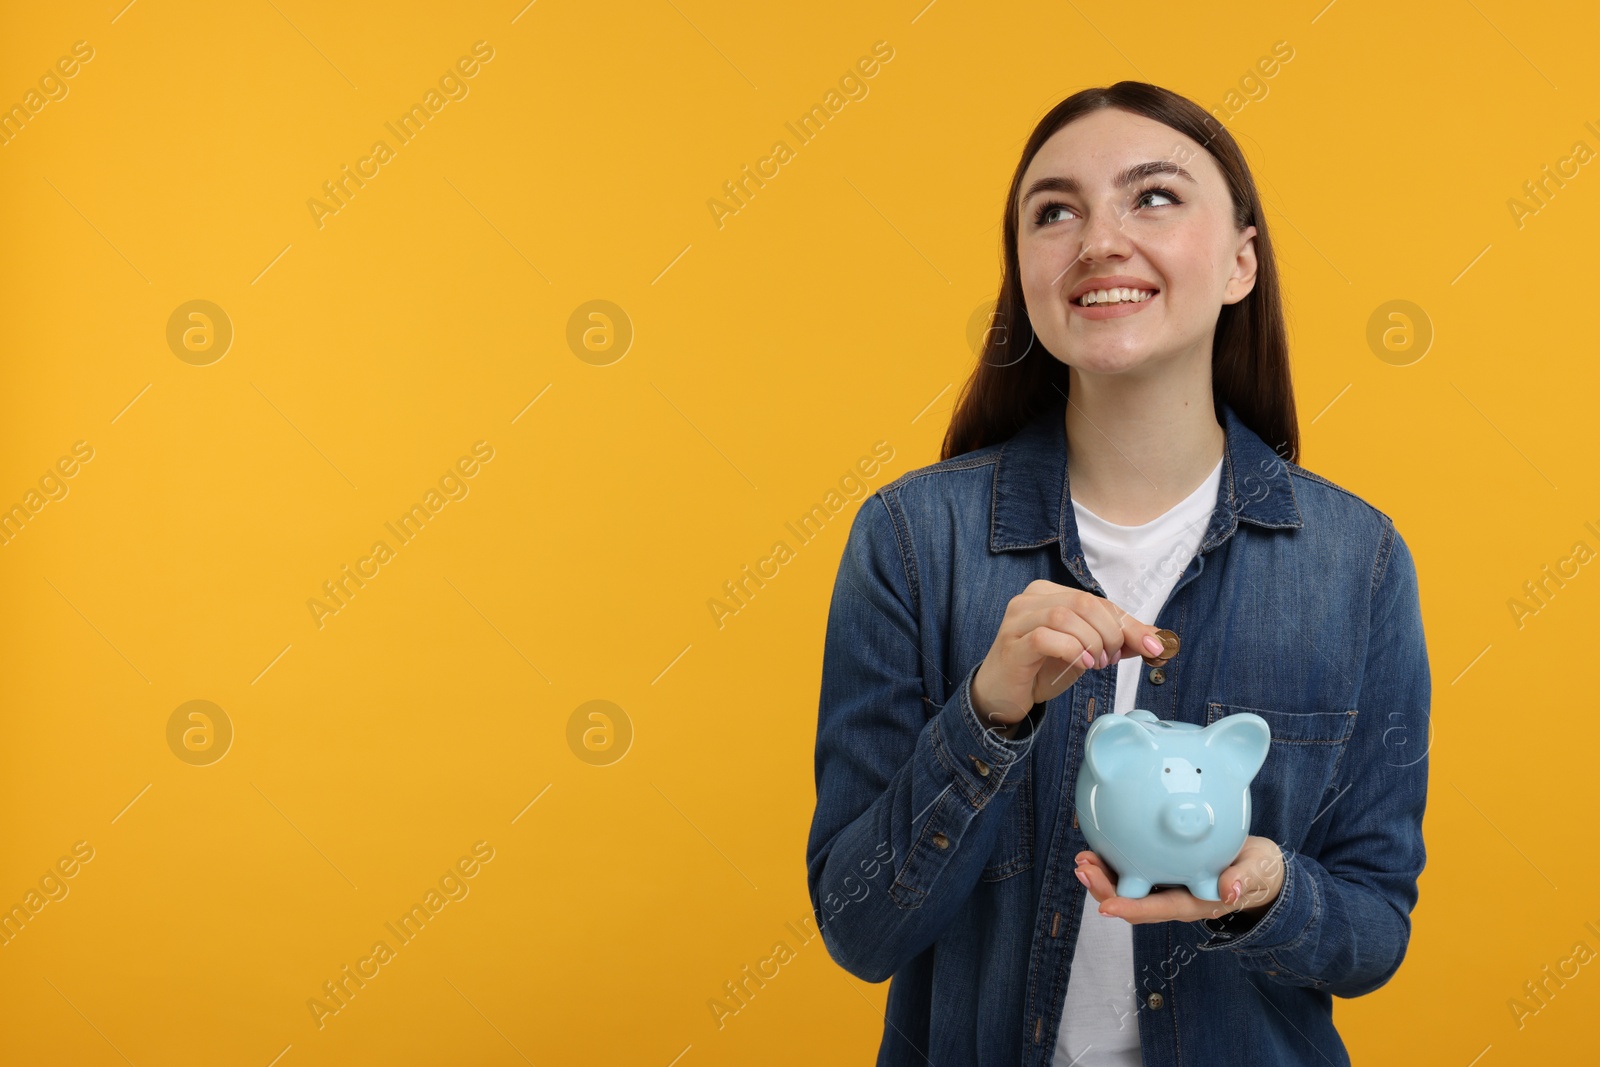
1135 888
1205 889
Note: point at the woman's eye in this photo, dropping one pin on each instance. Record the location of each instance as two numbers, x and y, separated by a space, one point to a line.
1158 191
1042 216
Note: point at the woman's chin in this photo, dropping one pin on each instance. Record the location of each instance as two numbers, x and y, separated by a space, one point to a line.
1116 362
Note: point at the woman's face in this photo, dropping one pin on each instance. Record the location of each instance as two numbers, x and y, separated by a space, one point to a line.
1168 230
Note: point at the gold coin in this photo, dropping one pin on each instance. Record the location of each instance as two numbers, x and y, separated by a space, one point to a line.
1169 642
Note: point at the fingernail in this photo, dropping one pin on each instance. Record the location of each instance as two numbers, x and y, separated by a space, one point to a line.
1117 655
1084 878
1104 660
1088 660
1238 891
1153 643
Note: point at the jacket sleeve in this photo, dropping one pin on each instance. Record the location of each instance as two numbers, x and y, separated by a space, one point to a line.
909 796
1343 918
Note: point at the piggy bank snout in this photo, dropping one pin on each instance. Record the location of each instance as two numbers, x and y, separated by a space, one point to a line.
1188 820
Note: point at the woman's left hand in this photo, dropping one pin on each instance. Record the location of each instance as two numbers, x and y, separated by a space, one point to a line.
1250 884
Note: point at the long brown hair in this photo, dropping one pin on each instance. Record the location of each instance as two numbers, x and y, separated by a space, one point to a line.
1016 378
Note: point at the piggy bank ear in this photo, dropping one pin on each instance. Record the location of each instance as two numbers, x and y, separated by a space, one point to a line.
1119 746
1241 741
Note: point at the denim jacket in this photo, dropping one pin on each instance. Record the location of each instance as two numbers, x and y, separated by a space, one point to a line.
941 854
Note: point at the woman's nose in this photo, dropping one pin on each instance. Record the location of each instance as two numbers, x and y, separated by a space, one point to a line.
1104 236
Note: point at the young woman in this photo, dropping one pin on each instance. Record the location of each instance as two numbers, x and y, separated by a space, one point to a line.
1118 521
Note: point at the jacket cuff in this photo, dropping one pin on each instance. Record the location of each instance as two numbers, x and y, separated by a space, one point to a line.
980 756
1286 922
966 762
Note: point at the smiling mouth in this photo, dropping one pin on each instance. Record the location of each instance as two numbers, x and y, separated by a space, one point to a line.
1111 297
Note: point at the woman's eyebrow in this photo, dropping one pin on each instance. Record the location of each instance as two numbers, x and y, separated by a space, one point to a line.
1134 173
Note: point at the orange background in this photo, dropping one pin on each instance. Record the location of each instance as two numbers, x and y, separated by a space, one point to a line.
446 703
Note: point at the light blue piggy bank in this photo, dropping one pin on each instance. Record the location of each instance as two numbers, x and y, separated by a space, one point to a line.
1168 803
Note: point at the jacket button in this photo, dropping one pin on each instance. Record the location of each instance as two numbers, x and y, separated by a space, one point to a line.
1157 675
1091 709
1154 1001
982 767
941 840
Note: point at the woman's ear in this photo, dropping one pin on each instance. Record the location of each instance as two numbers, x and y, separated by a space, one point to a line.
1243 278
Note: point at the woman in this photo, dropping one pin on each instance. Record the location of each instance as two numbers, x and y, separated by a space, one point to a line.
1118 521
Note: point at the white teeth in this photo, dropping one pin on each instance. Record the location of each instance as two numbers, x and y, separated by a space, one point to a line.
1114 296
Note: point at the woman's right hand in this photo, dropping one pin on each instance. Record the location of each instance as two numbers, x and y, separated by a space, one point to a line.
1050 635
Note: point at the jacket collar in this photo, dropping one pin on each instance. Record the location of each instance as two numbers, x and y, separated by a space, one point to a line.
1032 498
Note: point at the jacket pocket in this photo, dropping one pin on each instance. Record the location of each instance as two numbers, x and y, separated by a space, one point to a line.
1013 846
1291 790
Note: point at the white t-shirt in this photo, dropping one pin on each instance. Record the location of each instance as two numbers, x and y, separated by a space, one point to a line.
1137 566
